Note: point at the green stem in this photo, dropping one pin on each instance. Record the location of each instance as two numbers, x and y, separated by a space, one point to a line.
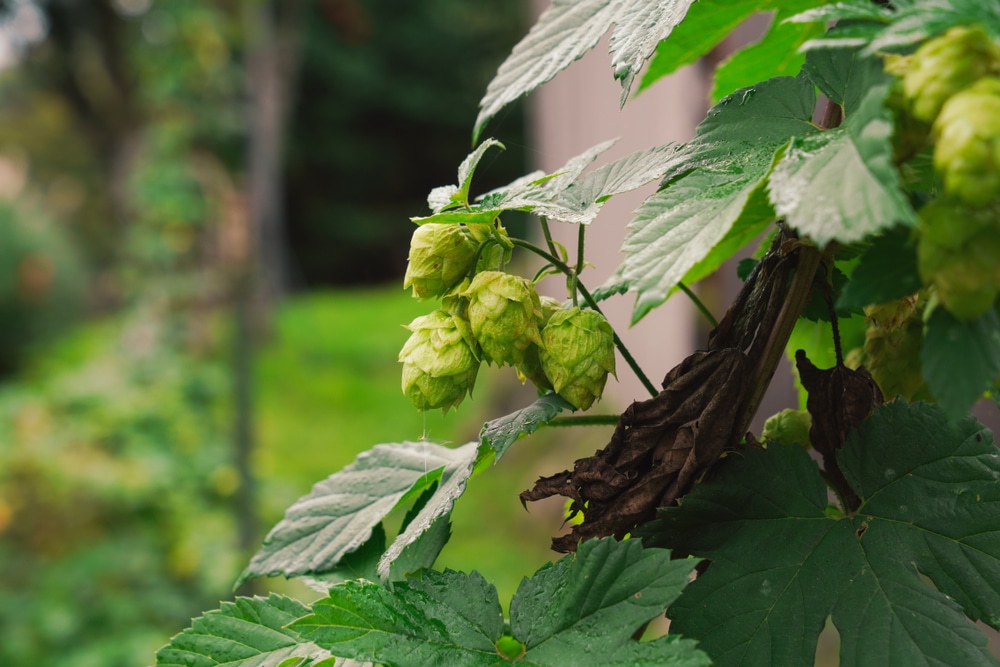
626 355
585 420
699 305
548 235
575 279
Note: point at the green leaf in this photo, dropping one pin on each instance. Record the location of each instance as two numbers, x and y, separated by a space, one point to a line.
707 23
776 54
842 11
708 184
960 360
844 76
640 26
917 21
249 632
338 516
438 618
841 185
581 611
584 608
570 28
468 168
781 566
503 432
886 271
583 198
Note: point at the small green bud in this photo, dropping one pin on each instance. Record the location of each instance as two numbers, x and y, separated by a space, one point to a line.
967 150
504 310
531 367
945 65
440 256
439 361
577 354
789 427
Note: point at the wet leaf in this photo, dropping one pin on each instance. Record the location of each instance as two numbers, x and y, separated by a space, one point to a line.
709 185
930 507
567 30
338 516
451 618
249 632
503 432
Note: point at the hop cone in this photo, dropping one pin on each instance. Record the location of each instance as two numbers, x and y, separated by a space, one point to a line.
531 367
892 349
946 65
504 311
439 362
790 427
967 151
577 354
959 254
440 256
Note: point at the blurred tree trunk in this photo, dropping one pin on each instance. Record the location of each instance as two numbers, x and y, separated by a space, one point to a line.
271 64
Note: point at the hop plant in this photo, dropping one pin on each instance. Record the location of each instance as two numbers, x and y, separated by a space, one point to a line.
439 361
531 367
959 254
577 353
440 256
945 65
892 348
967 151
504 311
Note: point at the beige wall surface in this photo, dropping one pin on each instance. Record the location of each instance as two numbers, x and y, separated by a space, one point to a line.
578 109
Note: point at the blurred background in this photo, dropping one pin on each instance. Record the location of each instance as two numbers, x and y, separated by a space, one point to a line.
204 223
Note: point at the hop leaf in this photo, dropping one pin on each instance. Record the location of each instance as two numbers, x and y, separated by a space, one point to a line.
959 254
967 152
946 65
439 361
504 311
440 256
531 367
577 354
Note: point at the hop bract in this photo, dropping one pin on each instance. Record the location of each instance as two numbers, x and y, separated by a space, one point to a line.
959 254
967 152
578 352
946 65
439 361
531 367
504 311
440 256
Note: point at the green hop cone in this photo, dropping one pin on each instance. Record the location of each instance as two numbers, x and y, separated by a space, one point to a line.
892 350
577 354
439 361
959 254
967 149
440 256
531 367
789 427
945 65
504 311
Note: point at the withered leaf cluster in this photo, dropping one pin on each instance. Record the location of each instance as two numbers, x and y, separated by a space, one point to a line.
663 445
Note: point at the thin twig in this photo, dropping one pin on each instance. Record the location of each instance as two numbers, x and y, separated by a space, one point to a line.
699 304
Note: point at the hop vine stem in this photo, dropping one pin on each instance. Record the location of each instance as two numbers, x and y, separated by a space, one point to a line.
562 266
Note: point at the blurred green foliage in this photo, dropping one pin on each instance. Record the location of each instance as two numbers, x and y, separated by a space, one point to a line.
385 94
115 517
41 281
116 487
